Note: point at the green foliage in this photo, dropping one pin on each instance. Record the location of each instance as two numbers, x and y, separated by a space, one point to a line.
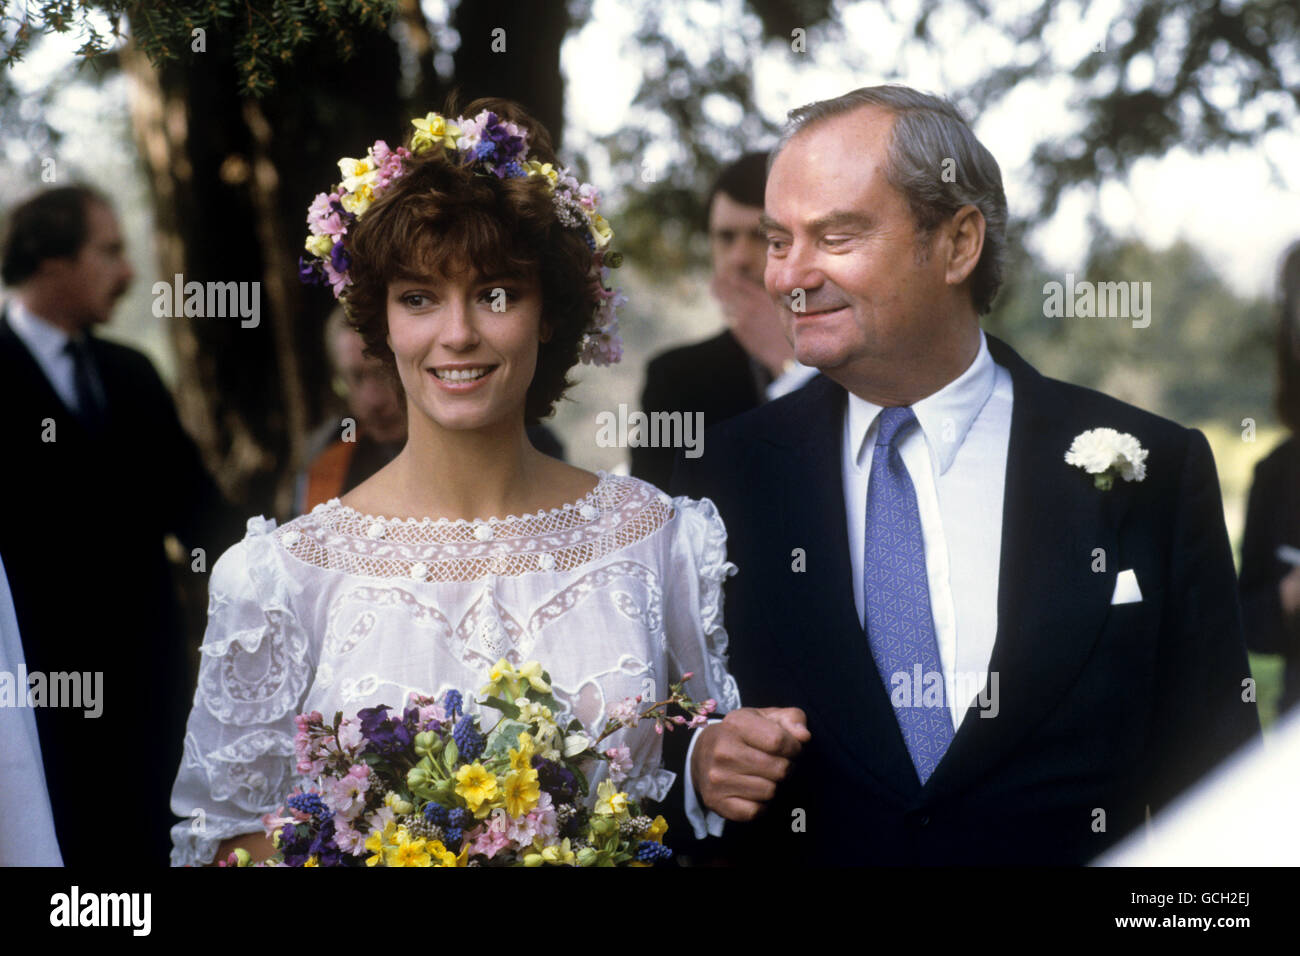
265 34
1206 355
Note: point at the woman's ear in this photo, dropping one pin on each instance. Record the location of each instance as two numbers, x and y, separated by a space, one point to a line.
545 335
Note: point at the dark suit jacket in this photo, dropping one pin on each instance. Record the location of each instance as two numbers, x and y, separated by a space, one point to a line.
1102 708
1272 519
714 377
82 543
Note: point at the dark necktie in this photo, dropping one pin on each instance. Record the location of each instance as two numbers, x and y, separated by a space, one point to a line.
92 408
900 628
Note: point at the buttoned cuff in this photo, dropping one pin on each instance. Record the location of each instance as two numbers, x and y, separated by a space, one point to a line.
705 822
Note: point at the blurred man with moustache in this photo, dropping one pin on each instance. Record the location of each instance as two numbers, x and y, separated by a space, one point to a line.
909 521
748 363
99 471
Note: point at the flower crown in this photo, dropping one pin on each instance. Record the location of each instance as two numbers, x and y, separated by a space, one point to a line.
491 146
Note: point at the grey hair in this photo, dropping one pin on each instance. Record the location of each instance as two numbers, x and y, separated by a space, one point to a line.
928 130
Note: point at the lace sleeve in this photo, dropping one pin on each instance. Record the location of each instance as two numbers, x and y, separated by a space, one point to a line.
697 640
238 760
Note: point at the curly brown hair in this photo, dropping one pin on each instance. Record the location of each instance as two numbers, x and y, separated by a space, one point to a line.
444 219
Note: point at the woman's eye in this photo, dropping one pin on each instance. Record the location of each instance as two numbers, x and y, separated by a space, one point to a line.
414 300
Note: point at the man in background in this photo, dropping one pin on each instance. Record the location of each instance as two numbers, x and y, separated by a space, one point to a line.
98 472
748 363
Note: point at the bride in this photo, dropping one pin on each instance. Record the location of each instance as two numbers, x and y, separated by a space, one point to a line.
468 263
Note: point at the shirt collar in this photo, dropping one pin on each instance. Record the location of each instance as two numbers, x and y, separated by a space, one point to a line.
945 417
40 336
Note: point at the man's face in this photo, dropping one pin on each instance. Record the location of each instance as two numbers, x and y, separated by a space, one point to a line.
91 282
372 396
840 232
736 240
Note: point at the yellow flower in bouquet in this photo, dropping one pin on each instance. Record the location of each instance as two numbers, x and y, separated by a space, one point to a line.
477 786
522 791
522 759
407 852
610 801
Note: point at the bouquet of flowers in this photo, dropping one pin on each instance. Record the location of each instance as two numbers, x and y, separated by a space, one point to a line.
432 787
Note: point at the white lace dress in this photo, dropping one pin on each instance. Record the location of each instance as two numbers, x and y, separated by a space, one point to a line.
617 594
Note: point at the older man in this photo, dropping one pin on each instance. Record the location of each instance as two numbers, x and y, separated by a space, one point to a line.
955 645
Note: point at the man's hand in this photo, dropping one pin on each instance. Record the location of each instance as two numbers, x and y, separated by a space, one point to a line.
737 763
754 320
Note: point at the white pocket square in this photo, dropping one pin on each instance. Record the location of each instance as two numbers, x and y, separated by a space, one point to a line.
1126 589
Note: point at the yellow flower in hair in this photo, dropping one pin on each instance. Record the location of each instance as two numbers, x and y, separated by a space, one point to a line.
359 201
431 130
319 245
356 172
534 168
601 230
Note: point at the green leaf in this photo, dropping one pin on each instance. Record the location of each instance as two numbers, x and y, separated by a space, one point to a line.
505 706
505 736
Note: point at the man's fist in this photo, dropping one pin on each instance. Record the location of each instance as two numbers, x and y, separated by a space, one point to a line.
737 763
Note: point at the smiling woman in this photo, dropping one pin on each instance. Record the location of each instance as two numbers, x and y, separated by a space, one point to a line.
443 220
473 268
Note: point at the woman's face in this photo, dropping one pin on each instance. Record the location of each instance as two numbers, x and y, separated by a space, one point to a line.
466 347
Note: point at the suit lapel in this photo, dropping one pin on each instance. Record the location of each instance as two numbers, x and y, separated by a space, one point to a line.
1051 605
816 626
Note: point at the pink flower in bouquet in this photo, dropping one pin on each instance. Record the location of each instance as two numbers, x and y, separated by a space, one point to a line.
537 823
350 737
347 796
380 819
620 763
348 839
492 838
627 713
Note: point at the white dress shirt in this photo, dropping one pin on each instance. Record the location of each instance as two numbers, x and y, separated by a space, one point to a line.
48 344
957 460
27 836
794 375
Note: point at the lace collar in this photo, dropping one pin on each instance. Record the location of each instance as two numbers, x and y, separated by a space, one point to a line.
617 512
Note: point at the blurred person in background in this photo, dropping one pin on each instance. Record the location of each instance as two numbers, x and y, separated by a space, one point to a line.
99 472
1270 549
343 457
748 363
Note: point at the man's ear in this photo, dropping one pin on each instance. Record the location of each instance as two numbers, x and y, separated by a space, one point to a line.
965 243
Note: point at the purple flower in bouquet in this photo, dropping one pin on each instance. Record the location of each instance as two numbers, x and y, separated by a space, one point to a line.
384 735
556 779
453 704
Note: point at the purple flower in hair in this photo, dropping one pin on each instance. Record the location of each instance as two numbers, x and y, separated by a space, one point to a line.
339 257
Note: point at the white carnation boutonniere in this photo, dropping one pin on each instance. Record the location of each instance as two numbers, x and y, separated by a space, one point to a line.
1106 454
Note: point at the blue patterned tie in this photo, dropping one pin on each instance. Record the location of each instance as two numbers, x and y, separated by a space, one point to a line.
900 628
